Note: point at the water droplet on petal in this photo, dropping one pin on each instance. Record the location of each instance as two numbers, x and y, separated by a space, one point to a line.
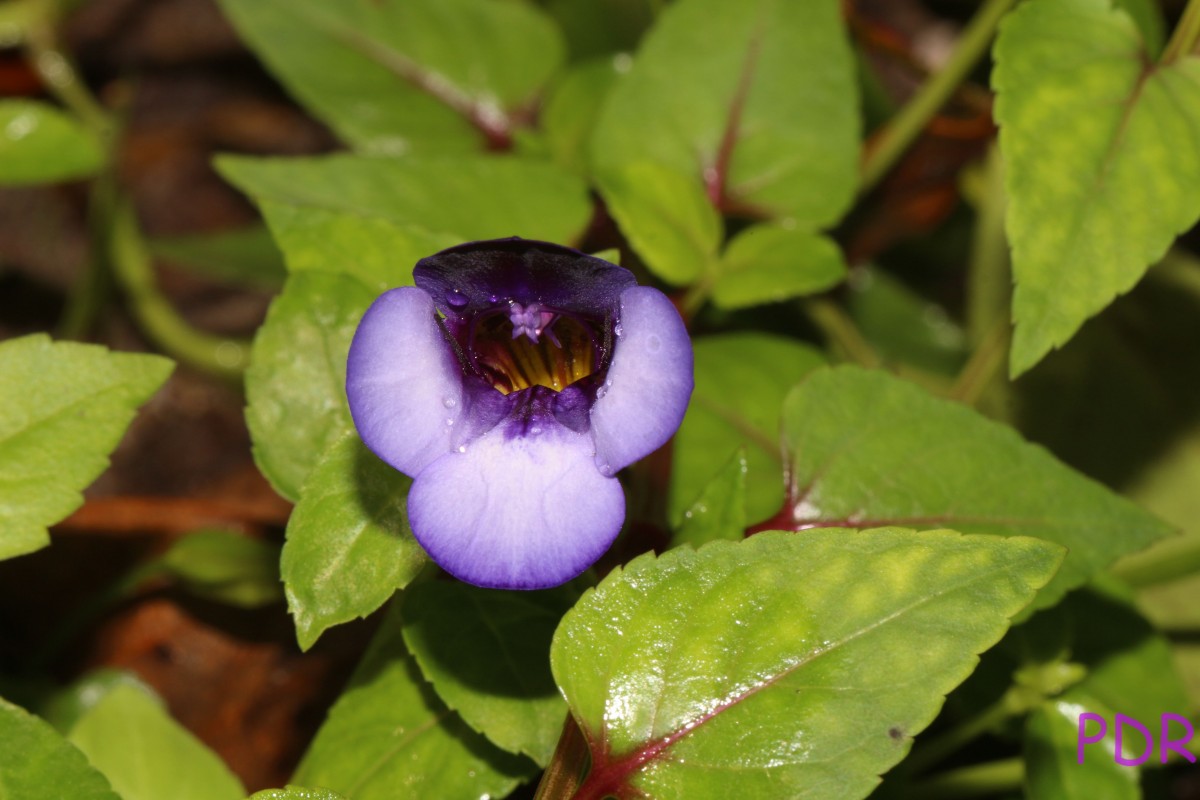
449 402
449 422
605 470
456 299
462 448
603 390
618 330
535 430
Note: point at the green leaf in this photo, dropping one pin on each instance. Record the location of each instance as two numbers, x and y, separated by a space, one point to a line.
572 109
1052 771
758 100
720 510
666 217
422 75
1102 149
349 547
146 755
66 706
741 381
296 793
389 730
63 409
226 566
473 197
40 144
769 263
1148 15
36 762
296 383
244 256
784 664
869 449
377 251
486 653
603 27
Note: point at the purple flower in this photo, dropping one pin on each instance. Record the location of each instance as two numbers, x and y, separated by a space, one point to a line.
512 383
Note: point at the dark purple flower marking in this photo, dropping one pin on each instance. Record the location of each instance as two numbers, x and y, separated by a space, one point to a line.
511 384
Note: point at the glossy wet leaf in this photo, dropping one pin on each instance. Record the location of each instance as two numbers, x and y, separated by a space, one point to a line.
389 733
146 755
487 653
64 407
349 547
473 197
783 664
768 264
755 99
35 761
227 567
245 256
296 382
296 793
666 217
42 144
870 449
1052 771
1103 157
720 510
741 381
420 76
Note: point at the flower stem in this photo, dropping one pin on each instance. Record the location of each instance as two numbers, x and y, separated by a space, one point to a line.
161 322
565 772
897 135
994 777
983 365
840 331
1186 34
59 74
989 280
91 292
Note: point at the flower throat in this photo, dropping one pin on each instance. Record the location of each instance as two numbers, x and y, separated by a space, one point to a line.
531 346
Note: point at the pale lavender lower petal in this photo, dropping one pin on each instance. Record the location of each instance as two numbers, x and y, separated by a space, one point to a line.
648 384
403 381
527 512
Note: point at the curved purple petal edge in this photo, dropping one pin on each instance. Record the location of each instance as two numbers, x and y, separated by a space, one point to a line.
404 385
511 385
641 403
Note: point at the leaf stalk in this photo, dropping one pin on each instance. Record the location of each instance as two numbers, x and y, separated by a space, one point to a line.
897 135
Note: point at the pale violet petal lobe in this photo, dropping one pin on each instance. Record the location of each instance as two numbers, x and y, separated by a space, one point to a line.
517 512
403 381
648 384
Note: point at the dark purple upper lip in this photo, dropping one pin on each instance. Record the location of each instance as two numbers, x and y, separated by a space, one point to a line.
472 278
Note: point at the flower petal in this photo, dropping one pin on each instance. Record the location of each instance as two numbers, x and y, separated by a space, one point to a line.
403 381
517 512
648 384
